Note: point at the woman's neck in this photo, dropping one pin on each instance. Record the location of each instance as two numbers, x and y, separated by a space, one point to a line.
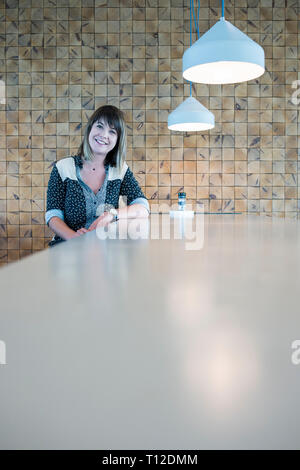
97 163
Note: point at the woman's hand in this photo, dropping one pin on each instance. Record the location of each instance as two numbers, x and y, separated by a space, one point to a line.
79 232
104 219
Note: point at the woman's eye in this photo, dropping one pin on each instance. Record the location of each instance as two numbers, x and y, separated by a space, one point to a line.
99 125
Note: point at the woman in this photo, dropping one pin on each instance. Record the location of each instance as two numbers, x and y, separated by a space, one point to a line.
83 190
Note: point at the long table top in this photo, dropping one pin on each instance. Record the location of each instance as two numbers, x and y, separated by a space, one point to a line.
155 343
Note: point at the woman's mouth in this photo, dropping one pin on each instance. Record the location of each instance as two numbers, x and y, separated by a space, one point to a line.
100 142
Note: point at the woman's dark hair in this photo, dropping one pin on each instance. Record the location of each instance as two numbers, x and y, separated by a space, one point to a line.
114 118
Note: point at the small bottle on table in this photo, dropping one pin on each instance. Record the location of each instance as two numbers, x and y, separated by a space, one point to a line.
181 201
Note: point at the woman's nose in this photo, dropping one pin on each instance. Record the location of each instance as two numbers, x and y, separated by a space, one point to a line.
105 132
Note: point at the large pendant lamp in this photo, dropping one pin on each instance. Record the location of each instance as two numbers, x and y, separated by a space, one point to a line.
224 54
191 115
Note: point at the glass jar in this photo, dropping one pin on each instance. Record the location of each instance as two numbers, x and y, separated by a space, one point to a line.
181 201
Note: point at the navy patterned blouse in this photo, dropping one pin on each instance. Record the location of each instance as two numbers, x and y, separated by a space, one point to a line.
70 199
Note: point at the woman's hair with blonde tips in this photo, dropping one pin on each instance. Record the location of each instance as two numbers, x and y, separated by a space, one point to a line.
114 118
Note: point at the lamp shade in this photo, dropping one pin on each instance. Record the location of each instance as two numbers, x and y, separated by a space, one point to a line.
224 54
191 116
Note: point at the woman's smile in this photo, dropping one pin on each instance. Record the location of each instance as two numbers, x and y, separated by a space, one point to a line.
100 141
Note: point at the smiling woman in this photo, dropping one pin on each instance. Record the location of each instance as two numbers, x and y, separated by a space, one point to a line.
84 190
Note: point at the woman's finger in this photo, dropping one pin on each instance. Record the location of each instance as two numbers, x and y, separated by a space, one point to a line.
82 230
94 225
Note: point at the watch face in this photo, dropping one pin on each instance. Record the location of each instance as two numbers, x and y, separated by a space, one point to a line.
114 214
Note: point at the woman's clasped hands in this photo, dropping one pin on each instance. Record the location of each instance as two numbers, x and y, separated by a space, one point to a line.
104 219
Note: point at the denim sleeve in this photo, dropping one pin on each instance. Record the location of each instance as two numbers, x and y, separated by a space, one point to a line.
141 200
53 213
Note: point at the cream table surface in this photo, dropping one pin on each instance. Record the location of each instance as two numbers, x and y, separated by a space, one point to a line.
144 344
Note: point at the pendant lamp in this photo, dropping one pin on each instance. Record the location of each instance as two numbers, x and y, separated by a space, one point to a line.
191 115
224 54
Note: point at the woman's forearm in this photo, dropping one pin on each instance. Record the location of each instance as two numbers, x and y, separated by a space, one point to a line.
133 211
61 228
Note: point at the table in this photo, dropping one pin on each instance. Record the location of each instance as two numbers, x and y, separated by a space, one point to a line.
145 344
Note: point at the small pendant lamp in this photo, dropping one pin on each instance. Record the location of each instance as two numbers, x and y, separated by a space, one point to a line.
224 54
191 115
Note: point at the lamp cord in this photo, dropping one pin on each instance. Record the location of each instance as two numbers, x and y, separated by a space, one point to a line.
198 16
196 21
222 8
191 23
191 38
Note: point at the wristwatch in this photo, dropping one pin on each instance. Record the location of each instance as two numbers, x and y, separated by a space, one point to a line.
114 212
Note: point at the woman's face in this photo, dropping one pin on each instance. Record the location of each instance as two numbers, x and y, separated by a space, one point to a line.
102 138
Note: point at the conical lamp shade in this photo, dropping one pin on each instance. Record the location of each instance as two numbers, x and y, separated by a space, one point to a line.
191 116
223 55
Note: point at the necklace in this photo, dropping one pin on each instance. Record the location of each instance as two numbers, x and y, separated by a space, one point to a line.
92 168
89 169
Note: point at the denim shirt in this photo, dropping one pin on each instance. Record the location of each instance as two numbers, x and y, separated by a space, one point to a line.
95 203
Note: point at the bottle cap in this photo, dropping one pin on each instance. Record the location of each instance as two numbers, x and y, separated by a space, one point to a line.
181 194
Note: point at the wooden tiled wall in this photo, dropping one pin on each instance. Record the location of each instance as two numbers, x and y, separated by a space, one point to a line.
61 59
